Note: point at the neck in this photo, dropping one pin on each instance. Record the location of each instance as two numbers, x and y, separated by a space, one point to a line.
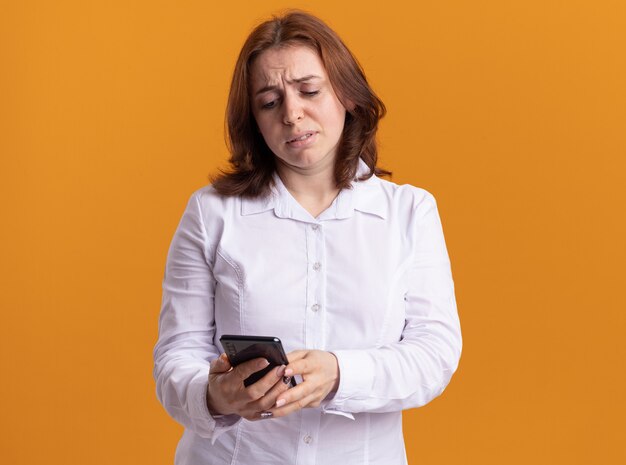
314 189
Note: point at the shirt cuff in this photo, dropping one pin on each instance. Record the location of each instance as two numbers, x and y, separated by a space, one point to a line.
208 425
328 410
356 377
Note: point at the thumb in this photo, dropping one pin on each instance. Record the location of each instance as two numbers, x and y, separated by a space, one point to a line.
220 364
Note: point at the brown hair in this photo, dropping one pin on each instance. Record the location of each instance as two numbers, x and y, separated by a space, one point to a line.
251 159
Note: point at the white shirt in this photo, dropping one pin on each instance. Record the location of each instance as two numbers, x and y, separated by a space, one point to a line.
368 279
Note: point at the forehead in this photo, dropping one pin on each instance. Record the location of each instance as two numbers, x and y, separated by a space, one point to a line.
285 63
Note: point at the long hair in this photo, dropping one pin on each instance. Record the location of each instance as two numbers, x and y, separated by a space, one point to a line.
252 162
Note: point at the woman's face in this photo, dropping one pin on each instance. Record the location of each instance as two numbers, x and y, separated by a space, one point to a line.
296 109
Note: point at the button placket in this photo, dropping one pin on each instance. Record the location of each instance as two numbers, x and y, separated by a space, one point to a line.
314 336
309 432
320 296
315 286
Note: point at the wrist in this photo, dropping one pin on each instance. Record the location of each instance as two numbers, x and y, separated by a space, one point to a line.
336 373
213 410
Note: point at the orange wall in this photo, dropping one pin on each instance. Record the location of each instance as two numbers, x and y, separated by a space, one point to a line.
513 113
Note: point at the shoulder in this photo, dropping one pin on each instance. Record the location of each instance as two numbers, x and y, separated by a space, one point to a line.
208 199
407 198
207 194
210 212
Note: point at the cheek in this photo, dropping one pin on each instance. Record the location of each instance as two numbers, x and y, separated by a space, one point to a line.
267 129
335 111
338 118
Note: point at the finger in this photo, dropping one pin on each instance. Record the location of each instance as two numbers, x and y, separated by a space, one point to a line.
296 355
262 386
245 369
292 407
294 394
265 415
299 367
220 364
268 401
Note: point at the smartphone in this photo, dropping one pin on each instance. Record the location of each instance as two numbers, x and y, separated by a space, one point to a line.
240 349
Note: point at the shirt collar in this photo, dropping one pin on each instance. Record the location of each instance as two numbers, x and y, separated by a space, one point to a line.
364 196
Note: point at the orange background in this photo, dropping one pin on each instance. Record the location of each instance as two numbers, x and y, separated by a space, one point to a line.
512 113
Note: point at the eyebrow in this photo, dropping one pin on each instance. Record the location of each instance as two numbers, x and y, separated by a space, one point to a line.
298 80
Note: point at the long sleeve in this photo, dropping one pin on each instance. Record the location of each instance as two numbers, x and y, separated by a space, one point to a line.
187 327
369 279
413 371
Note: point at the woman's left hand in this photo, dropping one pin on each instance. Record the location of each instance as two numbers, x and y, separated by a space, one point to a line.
320 376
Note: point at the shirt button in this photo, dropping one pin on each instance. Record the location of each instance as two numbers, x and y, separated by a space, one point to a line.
307 439
317 266
315 307
315 227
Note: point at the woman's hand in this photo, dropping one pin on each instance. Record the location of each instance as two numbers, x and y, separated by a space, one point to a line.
226 393
320 376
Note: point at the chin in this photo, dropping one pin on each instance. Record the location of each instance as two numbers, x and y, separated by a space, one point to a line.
303 161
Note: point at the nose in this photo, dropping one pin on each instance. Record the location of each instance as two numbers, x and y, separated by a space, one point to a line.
293 110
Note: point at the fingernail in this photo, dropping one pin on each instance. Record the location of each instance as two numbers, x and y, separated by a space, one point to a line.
286 379
267 414
280 370
264 363
288 372
280 402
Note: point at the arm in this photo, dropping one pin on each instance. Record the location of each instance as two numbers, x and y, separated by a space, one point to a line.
415 370
186 329
408 373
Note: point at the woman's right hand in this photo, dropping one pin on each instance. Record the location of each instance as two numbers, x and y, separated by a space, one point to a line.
226 393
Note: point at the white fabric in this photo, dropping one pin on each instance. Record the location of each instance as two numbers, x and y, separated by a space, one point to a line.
375 262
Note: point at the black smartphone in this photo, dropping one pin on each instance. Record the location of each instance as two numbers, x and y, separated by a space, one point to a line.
240 349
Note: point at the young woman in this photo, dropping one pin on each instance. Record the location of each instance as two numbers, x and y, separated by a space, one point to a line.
302 240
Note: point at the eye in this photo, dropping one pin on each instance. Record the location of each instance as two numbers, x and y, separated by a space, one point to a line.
310 93
269 105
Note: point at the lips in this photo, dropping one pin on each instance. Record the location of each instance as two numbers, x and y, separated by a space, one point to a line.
302 136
